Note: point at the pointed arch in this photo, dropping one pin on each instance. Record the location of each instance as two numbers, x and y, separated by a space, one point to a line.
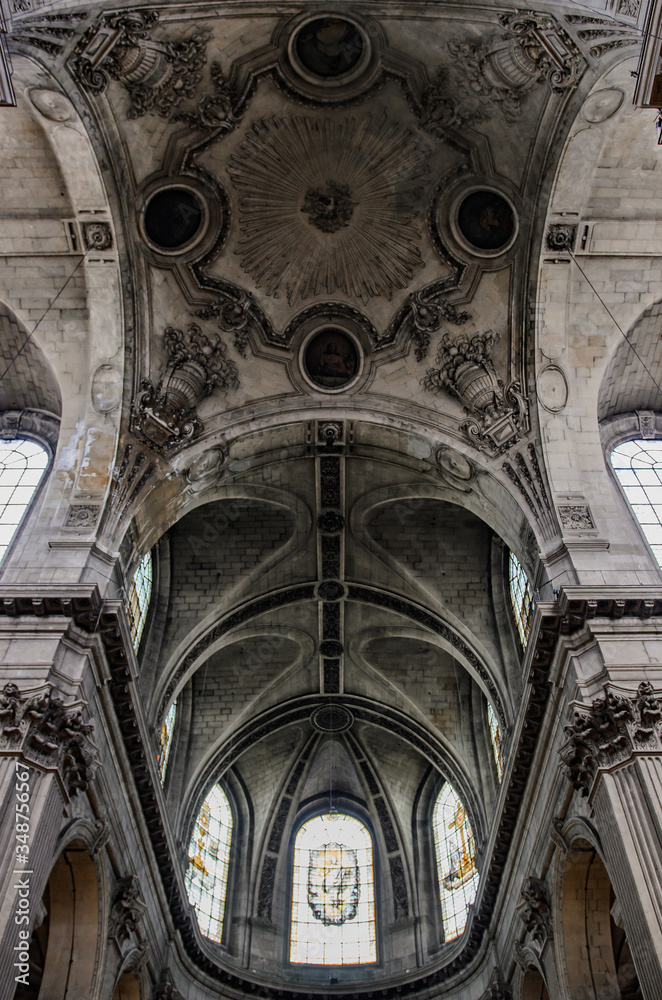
638 468
23 464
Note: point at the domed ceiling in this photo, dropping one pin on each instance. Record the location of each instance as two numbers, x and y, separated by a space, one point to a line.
328 224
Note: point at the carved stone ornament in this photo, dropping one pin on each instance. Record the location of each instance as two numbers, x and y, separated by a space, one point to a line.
82 515
206 470
604 35
498 415
328 206
561 237
576 517
164 415
164 990
422 315
48 735
609 733
498 990
127 909
536 912
216 110
157 75
97 236
534 48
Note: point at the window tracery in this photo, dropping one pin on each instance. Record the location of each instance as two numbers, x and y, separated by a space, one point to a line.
140 593
496 738
209 858
22 467
167 730
455 852
638 467
333 893
521 598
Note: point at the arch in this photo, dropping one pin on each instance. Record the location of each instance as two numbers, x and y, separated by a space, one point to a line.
455 853
70 941
128 987
626 384
333 893
638 468
27 380
23 464
209 863
595 949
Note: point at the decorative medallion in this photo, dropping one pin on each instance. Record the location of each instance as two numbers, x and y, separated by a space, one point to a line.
173 218
51 104
332 49
331 358
327 206
332 719
486 221
603 104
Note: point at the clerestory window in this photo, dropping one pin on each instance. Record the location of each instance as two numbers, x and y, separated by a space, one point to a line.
333 893
496 738
140 593
209 861
165 741
638 466
455 852
521 598
22 467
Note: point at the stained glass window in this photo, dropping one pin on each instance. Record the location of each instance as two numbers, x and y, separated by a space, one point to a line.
521 598
495 736
333 893
209 856
22 465
140 592
455 852
638 465
167 729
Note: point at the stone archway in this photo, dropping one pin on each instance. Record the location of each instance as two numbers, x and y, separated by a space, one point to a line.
128 987
533 986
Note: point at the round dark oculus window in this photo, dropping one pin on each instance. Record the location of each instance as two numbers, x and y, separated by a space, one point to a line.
329 47
486 220
172 218
331 358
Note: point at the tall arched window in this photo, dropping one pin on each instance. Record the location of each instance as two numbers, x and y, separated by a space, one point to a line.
333 893
521 598
140 592
22 466
167 730
638 465
209 858
496 738
455 851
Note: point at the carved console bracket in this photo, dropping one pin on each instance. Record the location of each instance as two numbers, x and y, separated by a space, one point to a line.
611 732
48 735
127 910
536 911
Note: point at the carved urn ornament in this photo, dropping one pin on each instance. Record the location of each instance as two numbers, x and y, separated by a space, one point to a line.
164 415
498 414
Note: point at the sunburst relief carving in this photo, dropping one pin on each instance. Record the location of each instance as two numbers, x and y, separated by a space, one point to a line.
326 206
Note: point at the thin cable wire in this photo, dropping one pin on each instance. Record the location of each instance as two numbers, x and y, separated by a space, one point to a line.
616 323
43 315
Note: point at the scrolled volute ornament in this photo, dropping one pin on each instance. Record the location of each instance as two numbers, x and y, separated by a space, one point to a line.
535 909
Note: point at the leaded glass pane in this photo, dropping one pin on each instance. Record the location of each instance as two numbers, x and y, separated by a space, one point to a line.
167 729
521 598
140 592
22 465
209 856
638 465
333 893
455 852
495 736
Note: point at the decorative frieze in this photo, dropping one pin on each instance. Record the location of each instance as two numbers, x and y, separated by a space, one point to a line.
498 414
164 415
610 733
48 735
